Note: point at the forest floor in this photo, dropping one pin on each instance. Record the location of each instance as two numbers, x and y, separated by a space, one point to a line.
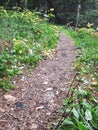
38 96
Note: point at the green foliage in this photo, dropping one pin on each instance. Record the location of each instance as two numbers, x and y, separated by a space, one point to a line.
81 108
65 10
80 112
23 39
85 40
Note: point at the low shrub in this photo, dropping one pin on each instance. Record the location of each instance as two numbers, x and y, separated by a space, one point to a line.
23 38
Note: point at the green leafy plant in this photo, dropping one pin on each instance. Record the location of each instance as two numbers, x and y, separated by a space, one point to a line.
80 112
23 38
80 109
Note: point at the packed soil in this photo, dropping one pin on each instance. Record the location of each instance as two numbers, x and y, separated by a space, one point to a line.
38 95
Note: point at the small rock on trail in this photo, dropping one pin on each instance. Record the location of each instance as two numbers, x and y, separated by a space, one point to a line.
9 98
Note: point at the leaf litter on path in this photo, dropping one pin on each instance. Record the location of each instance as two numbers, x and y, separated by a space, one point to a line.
39 96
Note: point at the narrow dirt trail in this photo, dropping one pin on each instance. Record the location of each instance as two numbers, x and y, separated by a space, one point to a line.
39 94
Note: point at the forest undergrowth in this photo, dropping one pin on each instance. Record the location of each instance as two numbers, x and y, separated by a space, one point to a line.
25 39
80 108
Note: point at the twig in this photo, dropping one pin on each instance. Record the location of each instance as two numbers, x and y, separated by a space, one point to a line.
3 120
71 84
64 115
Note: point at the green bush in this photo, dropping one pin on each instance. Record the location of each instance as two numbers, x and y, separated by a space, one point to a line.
23 38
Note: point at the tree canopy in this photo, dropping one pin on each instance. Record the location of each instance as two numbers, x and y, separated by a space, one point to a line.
65 11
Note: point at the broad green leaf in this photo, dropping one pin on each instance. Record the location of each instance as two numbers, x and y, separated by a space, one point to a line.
65 102
75 112
81 126
82 92
95 100
68 122
88 115
68 110
95 113
86 104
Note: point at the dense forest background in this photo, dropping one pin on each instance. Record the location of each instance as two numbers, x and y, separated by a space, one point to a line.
65 11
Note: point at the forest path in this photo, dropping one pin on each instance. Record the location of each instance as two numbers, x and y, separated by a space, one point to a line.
39 95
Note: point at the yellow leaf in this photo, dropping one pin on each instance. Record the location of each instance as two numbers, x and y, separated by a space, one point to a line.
89 25
94 81
30 51
52 9
16 42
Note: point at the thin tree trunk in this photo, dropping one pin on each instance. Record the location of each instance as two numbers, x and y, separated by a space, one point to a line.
78 14
25 4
